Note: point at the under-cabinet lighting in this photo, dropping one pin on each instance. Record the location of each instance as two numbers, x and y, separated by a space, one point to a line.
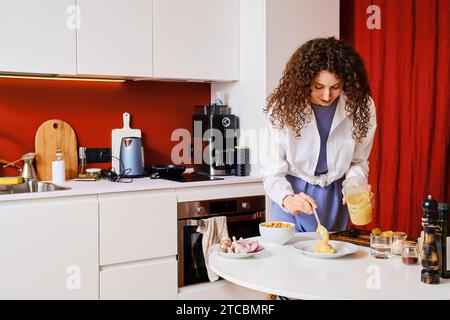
61 78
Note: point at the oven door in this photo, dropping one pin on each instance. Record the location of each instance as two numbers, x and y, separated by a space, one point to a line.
191 262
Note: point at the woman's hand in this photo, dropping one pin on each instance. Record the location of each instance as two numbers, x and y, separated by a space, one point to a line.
298 203
371 198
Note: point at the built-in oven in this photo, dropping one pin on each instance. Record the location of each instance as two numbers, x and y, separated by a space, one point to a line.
243 214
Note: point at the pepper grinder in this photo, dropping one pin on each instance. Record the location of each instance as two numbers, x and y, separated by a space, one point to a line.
429 255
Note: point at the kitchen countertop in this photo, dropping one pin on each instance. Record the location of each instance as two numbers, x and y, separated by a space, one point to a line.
284 271
139 184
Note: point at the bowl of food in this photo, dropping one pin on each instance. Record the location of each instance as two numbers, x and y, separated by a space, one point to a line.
277 232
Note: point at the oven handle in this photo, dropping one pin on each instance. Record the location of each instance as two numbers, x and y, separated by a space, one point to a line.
246 217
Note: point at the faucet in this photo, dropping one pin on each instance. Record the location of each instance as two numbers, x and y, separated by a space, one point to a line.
28 172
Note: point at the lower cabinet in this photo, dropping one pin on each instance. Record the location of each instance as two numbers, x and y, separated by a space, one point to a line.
137 225
155 279
138 245
48 248
108 246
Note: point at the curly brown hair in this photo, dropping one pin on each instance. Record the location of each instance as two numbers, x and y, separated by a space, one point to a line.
288 104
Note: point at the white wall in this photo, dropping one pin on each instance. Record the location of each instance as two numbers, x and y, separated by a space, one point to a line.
290 23
247 97
270 31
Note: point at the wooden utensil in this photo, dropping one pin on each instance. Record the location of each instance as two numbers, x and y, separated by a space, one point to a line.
51 136
117 136
356 236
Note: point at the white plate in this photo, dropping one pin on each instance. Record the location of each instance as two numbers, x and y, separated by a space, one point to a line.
342 249
215 249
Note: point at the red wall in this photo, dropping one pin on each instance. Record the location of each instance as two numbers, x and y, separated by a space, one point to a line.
93 109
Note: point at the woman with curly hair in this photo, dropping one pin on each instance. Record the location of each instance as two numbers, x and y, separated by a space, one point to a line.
321 124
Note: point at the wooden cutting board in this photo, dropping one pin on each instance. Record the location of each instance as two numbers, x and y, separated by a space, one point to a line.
116 138
356 236
53 135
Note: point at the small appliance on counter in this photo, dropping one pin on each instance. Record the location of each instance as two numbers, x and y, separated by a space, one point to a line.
131 157
176 173
117 136
215 130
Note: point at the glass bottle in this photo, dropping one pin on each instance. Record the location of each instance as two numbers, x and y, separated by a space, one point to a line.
82 161
443 244
429 255
410 253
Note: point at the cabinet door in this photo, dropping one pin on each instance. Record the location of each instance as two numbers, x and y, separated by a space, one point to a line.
49 248
38 36
137 225
196 39
156 279
115 38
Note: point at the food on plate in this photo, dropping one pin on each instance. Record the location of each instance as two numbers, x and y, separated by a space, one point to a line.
389 233
323 246
376 231
225 243
238 246
379 232
276 224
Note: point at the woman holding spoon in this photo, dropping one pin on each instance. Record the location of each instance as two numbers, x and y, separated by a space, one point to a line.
321 124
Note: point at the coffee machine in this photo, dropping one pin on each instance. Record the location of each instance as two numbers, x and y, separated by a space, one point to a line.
214 140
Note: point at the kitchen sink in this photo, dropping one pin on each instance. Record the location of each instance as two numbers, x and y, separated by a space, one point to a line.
24 188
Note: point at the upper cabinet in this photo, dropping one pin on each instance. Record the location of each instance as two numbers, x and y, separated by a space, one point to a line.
139 39
38 36
115 38
196 39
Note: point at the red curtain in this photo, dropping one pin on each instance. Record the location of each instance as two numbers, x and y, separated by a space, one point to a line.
407 60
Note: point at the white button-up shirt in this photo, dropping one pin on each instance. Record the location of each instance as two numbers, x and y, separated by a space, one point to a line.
288 155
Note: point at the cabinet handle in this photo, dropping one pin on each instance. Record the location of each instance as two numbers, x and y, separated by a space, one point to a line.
246 217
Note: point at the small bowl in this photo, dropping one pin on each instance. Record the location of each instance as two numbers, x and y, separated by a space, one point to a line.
277 235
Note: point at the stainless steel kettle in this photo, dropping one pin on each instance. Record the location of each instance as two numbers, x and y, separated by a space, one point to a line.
131 157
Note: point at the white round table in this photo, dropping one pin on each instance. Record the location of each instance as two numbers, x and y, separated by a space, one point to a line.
284 270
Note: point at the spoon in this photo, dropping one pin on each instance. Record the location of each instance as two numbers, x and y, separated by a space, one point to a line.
319 225
316 216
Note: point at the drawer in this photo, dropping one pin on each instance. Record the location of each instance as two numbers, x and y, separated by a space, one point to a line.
156 280
137 226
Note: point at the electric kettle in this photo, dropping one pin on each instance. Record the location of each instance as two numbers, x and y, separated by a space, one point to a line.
131 157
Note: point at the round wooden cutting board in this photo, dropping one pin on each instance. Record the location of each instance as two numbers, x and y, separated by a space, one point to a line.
53 135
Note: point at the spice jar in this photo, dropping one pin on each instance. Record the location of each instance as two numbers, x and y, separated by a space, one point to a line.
397 242
410 254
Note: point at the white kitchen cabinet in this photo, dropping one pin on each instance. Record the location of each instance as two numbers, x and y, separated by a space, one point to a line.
115 38
138 245
196 39
38 36
137 226
155 279
49 248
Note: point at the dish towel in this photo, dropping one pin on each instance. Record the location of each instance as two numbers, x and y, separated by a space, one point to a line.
213 230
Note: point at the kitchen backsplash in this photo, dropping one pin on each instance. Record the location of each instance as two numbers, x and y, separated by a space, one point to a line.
93 109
